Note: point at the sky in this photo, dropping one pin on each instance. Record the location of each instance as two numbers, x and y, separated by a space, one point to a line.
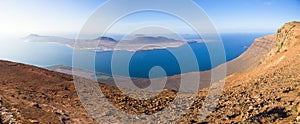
68 16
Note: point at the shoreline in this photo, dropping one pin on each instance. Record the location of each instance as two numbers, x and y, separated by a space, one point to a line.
245 61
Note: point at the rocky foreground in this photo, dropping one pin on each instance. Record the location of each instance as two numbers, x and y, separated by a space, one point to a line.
268 92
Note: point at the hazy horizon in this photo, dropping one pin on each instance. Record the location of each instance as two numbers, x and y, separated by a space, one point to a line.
54 17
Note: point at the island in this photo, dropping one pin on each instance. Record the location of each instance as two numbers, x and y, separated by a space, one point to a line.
109 44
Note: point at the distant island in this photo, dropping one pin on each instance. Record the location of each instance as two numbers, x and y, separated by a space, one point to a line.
262 86
110 44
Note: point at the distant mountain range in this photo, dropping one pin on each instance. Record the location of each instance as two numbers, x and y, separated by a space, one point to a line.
110 44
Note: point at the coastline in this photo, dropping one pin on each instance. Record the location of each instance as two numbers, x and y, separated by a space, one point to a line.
245 61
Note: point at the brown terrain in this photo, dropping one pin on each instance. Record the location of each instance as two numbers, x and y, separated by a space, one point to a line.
262 86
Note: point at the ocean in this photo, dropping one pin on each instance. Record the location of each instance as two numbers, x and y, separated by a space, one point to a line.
139 65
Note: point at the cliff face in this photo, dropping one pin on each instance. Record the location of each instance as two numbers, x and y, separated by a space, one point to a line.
269 91
264 48
288 36
263 86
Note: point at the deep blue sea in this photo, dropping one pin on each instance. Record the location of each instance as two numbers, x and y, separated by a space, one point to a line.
51 54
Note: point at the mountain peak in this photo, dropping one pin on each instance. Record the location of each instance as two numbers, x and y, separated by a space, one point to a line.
33 35
150 39
106 38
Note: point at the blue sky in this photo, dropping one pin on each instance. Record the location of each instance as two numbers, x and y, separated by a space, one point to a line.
68 16
251 15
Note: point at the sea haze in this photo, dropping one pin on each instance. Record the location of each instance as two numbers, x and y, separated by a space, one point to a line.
51 54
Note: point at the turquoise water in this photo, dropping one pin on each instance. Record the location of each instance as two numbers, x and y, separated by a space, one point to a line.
50 54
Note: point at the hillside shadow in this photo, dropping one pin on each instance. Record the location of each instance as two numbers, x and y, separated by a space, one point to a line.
270 115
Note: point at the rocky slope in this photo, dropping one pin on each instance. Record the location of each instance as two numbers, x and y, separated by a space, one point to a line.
264 87
33 94
268 92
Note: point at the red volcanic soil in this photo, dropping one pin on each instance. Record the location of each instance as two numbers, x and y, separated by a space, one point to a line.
33 94
263 87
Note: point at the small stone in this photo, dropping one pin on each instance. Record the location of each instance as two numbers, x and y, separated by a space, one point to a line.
107 113
34 121
57 113
263 120
250 107
298 108
6 110
298 119
36 105
64 119
7 118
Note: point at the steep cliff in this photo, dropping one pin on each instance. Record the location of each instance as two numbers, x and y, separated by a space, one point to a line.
269 90
263 87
